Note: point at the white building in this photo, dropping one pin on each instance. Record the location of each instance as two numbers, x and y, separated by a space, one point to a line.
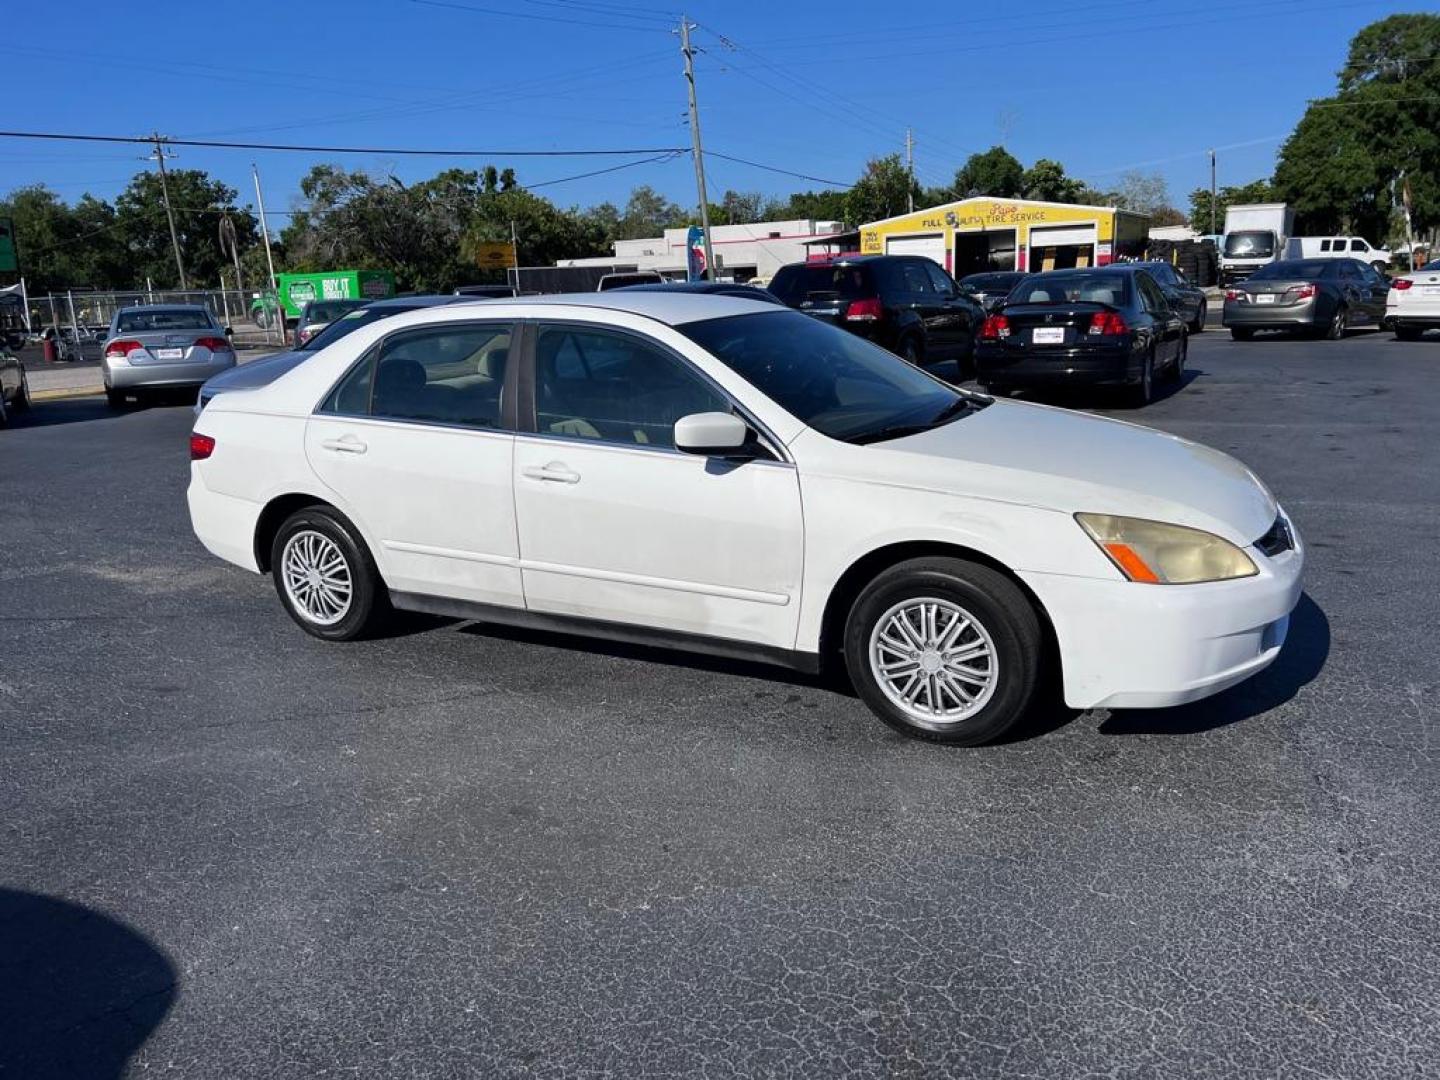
742 251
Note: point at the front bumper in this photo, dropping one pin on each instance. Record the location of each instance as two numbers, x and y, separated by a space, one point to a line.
122 375
1129 646
1028 365
1252 316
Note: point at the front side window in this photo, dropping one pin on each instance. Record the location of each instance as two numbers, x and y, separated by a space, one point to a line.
450 375
616 388
1359 245
916 279
940 280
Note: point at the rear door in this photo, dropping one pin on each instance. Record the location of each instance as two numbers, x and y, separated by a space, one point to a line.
1169 326
961 311
921 298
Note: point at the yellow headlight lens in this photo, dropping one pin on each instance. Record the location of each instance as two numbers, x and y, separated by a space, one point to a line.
1160 554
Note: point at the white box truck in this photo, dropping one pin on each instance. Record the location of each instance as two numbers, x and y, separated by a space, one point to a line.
1255 236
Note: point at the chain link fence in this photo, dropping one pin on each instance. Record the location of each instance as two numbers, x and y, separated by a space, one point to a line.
82 319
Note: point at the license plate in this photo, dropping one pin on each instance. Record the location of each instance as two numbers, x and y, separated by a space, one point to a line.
1430 290
1048 335
1264 298
169 354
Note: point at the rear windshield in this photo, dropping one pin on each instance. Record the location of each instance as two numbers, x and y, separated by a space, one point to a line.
330 310
794 285
619 281
144 322
352 321
1308 268
1113 289
1254 244
990 282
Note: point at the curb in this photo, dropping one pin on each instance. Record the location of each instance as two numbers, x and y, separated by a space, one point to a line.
60 395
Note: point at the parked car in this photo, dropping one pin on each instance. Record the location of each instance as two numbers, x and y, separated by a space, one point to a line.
1339 247
709 288
488 292
14 382
1412 305
1109 326
262 372
990 287
623 280
318 314
1323 297
161 347
725 476
1185 297
905 303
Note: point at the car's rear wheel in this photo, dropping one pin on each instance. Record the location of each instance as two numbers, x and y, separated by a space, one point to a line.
1408 333
22 399
1335 329
325 576
1143 392
910 351
115 398
1239 333
944 650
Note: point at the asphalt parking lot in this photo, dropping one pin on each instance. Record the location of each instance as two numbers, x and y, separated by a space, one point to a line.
228 849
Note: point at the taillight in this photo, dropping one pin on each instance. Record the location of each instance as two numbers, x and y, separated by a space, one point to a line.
214 344
1304 292
995 328
201 446
1401 283
122 349
1108 323
867 310
1234 294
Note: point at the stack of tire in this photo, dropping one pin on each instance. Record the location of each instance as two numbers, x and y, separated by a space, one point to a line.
1197 260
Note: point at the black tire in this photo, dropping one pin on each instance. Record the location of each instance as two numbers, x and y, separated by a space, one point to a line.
22 399
1240 333
1334 330
4 412
369 601
1408 333
1198 326
910 351
1143 392
992 602
1176 371
115 398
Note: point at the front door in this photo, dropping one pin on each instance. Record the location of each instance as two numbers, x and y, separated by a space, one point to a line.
616 524
412 442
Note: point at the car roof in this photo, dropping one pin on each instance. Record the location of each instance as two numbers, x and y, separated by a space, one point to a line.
163 307
427 300
673 308
724 287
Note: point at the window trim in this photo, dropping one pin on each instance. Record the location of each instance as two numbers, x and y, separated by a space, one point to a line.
527 422
505 423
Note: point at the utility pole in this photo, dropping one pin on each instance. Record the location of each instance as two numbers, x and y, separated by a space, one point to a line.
169 214
1212 193
695 150
910 169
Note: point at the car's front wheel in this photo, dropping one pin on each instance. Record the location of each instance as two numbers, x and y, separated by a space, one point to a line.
1334 330
326 577
944 650
1198 326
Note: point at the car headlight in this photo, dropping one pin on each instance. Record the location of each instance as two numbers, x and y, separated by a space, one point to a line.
1160 554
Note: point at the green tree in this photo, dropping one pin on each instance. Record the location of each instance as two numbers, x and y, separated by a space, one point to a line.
1046 181
198 203
812 206
1145 193
882 191
648 213
1257 191
996 172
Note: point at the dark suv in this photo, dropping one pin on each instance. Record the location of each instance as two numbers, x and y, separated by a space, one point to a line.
906 303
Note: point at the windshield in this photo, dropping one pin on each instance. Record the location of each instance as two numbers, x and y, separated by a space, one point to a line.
1254 244
350 322
1310 268
143 322
330 310
839 384
796 284
1063 288
988 283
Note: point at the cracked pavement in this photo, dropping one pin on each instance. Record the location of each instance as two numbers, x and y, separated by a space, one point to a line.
464 850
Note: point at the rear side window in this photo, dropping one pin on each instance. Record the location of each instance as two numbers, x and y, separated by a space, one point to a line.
352 396
795 285
942 282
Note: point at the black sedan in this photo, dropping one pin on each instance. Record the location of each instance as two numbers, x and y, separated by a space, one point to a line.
990 287
1185 297
1109 326
1323 297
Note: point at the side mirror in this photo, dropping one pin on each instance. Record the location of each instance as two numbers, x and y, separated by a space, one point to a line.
712 434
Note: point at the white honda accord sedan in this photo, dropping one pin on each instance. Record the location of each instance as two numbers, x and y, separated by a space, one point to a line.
717 474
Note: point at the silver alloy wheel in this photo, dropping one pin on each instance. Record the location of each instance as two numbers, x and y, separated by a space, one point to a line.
934 661
317 577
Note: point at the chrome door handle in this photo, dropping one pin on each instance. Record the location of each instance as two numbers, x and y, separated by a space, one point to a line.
348 445
555 472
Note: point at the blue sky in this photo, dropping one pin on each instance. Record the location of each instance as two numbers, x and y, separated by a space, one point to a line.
816 88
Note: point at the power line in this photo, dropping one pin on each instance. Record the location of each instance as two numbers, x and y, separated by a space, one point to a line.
777 169
373 150
473 10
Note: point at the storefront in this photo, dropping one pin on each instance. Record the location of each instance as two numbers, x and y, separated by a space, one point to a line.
978 234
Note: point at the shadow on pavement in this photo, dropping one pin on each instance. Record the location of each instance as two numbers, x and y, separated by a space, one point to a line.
1306 648
1106 398
81 410
79 992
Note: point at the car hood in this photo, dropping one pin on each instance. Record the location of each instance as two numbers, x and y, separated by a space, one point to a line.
1071 462
256 373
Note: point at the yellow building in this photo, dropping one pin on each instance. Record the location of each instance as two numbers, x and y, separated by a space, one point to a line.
973 235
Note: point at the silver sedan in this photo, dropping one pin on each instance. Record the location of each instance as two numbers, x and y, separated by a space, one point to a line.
162 347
